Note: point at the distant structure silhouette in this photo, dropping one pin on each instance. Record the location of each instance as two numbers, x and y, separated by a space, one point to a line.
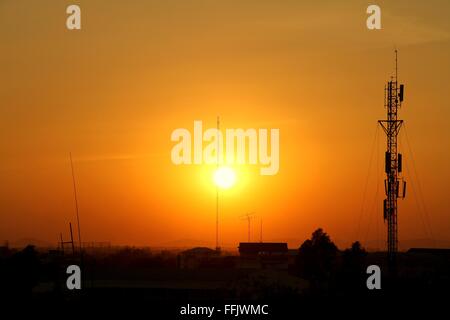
263 255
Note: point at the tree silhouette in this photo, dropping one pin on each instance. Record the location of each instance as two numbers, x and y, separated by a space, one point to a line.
355 255
316 256
353 268
21 273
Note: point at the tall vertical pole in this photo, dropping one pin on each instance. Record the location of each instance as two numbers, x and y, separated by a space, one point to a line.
62 243
217 188
76 202
393 165
260 231
71 238
248 226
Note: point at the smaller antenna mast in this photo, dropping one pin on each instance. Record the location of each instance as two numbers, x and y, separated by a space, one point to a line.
68 242
217 189
76 201
260 232
396 66
71 238
248 216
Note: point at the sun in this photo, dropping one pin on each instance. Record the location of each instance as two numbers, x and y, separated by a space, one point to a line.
224 177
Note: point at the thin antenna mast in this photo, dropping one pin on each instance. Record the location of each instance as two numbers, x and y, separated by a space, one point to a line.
260 232
76 201
68 242
62 243
249 216
217 189
396 66
71 238
249 222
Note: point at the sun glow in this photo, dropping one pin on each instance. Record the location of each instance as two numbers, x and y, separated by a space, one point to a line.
224 177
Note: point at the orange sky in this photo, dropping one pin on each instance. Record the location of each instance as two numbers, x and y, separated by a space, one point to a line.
113 92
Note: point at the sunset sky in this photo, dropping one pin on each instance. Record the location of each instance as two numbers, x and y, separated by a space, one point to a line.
113 92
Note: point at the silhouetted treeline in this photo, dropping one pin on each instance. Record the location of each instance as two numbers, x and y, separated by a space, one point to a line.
330 270
19 272
320 269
